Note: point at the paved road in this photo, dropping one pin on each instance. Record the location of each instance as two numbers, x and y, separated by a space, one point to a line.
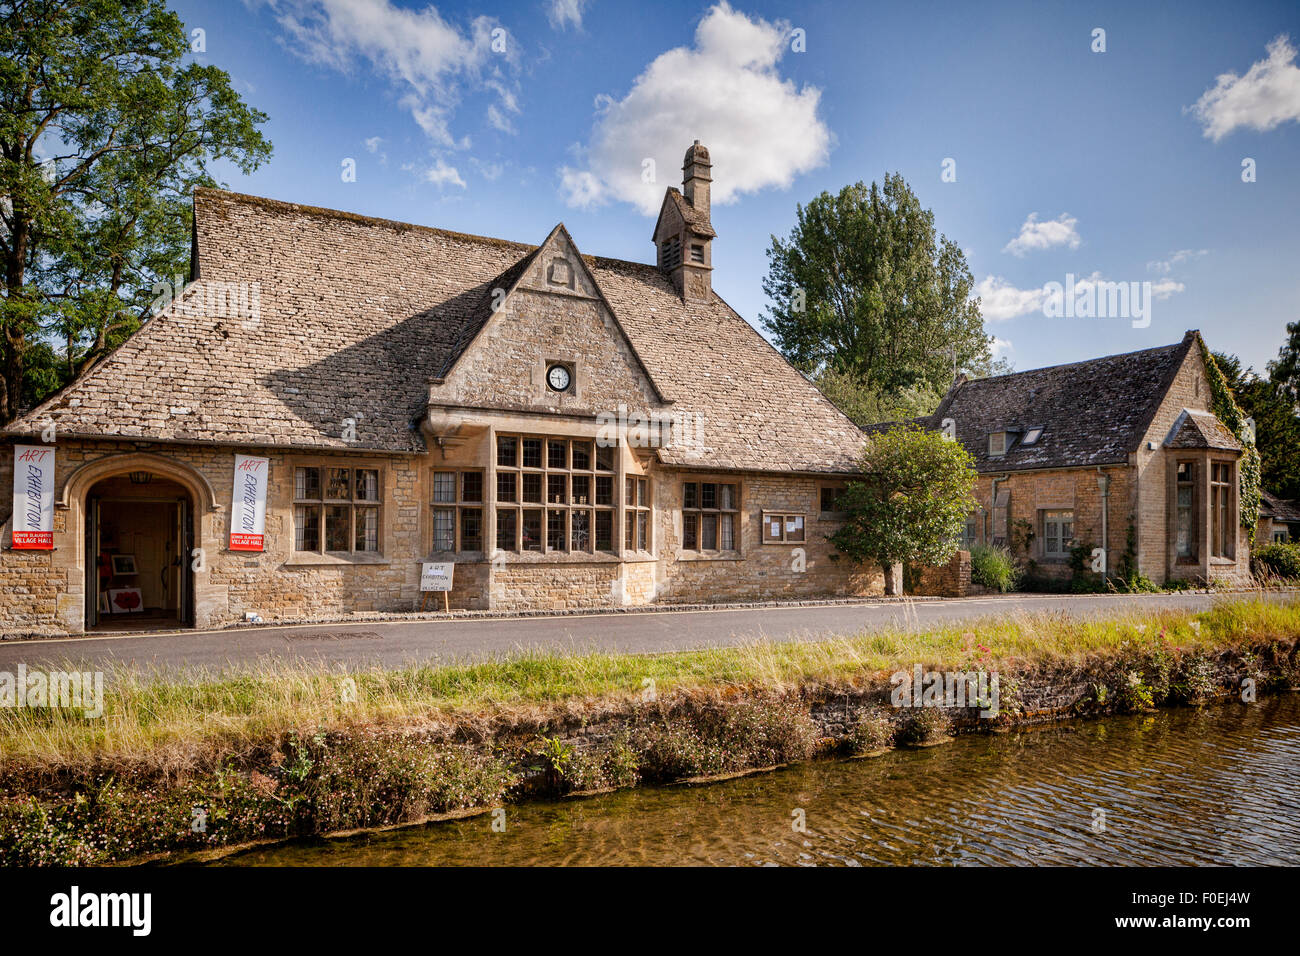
398 643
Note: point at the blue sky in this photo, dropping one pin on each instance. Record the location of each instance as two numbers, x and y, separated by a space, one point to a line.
1124 165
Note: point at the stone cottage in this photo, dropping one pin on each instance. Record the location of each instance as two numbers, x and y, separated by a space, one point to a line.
333 400
1121 453
1279 520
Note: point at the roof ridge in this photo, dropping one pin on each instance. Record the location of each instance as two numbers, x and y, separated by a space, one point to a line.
328 213
1053 368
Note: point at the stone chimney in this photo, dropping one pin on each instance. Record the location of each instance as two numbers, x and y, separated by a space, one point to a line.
696 177
683 236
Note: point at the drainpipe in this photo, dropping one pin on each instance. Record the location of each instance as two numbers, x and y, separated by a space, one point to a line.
1103 485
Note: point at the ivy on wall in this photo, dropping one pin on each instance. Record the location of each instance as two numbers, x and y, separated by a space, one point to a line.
1227 410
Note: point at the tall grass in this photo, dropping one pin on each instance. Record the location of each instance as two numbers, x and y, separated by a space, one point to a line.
168 723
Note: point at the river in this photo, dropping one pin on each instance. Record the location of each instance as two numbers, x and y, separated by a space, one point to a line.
1216 786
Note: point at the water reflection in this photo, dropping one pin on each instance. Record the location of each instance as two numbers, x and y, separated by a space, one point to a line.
1219 786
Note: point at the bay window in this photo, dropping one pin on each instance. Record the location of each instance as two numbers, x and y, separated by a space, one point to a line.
552 495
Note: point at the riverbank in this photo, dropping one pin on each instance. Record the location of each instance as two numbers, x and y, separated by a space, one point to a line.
223 760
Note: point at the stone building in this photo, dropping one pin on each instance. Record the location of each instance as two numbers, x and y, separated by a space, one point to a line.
1279 520
1121 453
570 431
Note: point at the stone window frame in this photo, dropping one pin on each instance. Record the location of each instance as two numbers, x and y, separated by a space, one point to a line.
670 252
1194 510
1223 510
699 512
353 504
1048 516
638 514
837 489
542 512
970 531
461 506
766 538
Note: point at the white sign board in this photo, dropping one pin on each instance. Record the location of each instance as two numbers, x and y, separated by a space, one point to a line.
33 498
248 506
436 576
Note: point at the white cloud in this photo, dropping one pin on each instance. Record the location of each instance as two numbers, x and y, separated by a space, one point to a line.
1000 300
1176 258
565 13
489 171
372 146
1267 96
439 174
1035 235
1001 348
428 60
1165 288
724 90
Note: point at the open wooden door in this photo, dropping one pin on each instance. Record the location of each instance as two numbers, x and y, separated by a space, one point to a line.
185 536
92 562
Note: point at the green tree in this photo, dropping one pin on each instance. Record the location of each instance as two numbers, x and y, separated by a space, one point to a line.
1277 429
104 133
864 291
911 502
1284 371
866 406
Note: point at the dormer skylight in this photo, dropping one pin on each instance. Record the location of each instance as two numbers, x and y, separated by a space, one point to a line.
1031 436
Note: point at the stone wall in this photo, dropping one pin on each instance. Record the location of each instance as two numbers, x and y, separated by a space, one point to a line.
44 592
1031 493
950 580
758 571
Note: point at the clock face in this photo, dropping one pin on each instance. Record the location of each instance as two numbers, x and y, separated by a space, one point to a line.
557 376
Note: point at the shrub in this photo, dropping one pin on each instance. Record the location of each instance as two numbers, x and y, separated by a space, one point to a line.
1278 561
993 567
1197 680
703 738
873 731
1135 694
924 725
612 767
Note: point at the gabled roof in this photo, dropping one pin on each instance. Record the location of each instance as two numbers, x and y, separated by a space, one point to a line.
1196 429
697 223
482 311
357 314
1091 413
1279 509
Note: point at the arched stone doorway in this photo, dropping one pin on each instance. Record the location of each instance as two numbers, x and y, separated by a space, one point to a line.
139 533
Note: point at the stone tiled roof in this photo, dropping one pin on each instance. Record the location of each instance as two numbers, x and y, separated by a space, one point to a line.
356 314
1091 413
1279 509
700 224
1194 429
